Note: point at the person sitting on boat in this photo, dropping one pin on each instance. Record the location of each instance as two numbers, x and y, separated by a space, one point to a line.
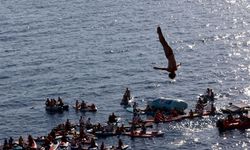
10 141
143 129
124 100
20 141
99 127
127 93
93 143
122 128
199 107
83 105
77 104
60 102
136 119
47 103
88 123
159 116
112 118
134 107
30 141
148 109
53 102
92 106
118 131
191 114
132 129
67 125
6 145
120 144
82 121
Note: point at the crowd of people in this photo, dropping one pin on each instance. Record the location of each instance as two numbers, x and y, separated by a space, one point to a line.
53 102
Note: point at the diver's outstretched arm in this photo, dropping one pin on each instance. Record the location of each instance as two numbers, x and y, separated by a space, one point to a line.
159 68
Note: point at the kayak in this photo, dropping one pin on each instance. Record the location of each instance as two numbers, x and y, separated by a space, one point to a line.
148 134
168 104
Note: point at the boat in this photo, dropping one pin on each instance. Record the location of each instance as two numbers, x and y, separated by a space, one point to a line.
235 123
235 108
170 118
148 134
57 108
168 104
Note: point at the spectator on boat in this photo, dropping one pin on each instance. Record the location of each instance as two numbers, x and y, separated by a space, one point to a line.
81 121
136 119
6 145
213 109
127 93
122 128
159 116
20 141
124 100
47 103
172 67
120 144
30 141
77 104
67 125
60 102
134 107
83 105
53 133
199 107
88 123
112 118
11 141
191 114
148 108
143 129
132 129
92 106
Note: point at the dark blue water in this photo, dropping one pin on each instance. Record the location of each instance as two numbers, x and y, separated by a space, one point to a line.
92 50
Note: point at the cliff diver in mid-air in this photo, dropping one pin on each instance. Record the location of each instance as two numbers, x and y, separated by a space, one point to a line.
172 67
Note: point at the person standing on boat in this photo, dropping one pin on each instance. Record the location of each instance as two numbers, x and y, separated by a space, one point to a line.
172 67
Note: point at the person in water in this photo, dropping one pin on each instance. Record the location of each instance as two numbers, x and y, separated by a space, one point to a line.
172 67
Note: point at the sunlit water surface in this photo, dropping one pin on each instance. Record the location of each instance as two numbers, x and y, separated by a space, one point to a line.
93 50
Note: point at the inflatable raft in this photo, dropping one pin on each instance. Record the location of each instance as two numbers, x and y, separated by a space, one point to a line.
168 104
